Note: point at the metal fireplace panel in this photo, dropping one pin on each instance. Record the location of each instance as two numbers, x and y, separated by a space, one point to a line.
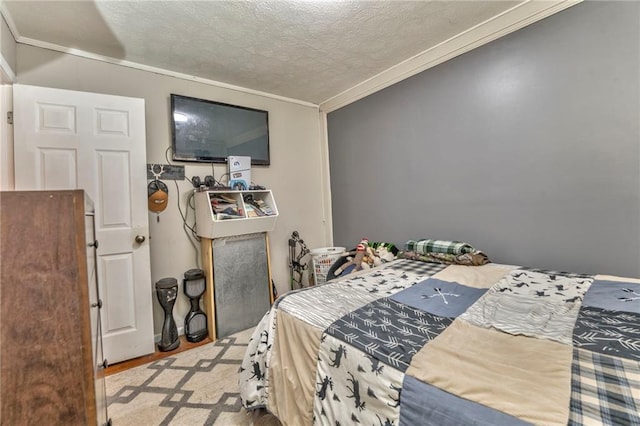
241 281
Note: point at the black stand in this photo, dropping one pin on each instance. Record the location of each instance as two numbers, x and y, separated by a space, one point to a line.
167 291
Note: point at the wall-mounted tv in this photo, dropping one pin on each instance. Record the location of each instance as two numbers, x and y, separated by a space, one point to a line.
209 132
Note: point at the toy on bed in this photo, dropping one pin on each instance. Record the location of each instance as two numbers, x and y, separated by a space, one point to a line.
358 258
365 256
382 255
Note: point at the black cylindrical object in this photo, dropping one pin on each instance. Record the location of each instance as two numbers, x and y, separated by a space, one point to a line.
167 291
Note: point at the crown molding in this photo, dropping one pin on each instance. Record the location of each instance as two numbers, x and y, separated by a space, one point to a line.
7 73
129 64
500 25
156 70
505 23
7 18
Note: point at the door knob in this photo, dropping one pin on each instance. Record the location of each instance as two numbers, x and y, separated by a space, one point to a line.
139 239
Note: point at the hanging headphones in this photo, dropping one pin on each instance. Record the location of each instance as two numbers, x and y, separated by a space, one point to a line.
158 195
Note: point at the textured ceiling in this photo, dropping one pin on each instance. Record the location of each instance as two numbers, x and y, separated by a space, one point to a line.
305 50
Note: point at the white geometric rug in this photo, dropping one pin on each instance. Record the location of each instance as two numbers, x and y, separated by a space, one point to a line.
194 387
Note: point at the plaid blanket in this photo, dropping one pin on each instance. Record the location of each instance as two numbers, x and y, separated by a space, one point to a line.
438 246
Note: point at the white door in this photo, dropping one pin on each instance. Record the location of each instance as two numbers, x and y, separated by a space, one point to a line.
66 140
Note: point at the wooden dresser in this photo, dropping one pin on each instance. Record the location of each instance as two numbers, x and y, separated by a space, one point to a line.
51 366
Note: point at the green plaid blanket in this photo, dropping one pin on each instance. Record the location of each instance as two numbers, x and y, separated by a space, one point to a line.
438 246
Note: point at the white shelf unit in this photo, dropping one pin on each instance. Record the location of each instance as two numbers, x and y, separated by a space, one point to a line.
208 226
211 230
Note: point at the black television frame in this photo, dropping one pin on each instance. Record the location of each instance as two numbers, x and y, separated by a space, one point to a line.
206 159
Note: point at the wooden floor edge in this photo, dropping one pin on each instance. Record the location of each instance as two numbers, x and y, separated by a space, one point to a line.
185 345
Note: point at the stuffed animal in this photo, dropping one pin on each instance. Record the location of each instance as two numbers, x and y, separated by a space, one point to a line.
357 257
384 255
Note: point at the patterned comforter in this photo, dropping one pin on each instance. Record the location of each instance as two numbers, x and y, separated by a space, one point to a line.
423 343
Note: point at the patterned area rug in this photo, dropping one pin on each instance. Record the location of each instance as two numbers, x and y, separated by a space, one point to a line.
194 387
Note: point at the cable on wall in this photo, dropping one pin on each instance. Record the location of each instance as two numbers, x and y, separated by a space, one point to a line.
189 230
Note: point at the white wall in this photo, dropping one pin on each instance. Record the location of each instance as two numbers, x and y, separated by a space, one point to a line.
294 174
7 75
6 139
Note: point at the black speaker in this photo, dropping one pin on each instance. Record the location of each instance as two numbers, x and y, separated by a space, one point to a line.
195 323
209 181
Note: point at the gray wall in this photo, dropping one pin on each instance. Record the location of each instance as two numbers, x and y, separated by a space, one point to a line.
528 148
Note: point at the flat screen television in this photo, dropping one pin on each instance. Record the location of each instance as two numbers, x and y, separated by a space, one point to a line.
208 132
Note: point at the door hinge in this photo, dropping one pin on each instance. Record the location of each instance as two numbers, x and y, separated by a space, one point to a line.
9 117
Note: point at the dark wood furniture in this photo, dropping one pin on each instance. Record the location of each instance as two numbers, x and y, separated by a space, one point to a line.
51 365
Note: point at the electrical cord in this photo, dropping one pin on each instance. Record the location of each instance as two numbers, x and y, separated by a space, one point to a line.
189 231
220 180
166 156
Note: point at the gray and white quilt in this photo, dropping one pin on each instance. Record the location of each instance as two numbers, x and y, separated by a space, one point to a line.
431 344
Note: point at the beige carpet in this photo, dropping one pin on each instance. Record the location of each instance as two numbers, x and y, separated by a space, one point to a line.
194 387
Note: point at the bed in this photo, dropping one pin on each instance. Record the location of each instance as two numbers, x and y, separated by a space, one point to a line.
420 343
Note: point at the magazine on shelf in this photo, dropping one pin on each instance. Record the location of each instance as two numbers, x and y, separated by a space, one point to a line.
251 211
225 216
224 203
224 197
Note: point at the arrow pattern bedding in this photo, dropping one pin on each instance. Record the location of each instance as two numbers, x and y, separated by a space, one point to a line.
423 343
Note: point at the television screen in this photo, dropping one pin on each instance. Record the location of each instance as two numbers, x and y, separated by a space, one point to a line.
209 132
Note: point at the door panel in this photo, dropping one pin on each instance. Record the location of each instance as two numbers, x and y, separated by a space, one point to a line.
58 168
112 122
114 178
66 140
117 291
56 118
